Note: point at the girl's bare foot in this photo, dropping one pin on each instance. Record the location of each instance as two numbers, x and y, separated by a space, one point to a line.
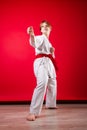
31 117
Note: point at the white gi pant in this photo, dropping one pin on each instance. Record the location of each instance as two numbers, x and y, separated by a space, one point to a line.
46 83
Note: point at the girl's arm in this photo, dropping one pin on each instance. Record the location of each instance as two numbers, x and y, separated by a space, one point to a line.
30 31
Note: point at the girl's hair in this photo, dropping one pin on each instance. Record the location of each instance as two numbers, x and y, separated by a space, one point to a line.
45 21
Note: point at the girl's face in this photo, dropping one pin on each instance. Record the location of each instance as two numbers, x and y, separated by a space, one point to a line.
45 29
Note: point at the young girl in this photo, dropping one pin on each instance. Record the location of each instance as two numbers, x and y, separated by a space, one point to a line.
44 70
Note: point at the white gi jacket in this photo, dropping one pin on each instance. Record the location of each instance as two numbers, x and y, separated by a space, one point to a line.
42 46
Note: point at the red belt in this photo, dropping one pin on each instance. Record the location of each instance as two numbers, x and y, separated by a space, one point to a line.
49 56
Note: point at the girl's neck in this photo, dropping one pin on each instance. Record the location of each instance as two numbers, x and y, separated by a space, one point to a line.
47 35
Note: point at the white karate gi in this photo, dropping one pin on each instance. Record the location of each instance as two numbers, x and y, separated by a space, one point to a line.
45 74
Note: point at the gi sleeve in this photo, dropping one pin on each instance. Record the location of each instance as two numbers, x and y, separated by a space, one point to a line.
36 41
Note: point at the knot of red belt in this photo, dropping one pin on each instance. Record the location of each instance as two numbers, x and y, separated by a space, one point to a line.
51 58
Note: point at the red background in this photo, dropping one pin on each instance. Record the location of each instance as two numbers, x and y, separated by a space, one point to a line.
68 36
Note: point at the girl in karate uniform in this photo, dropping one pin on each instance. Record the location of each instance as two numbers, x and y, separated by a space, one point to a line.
44 70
